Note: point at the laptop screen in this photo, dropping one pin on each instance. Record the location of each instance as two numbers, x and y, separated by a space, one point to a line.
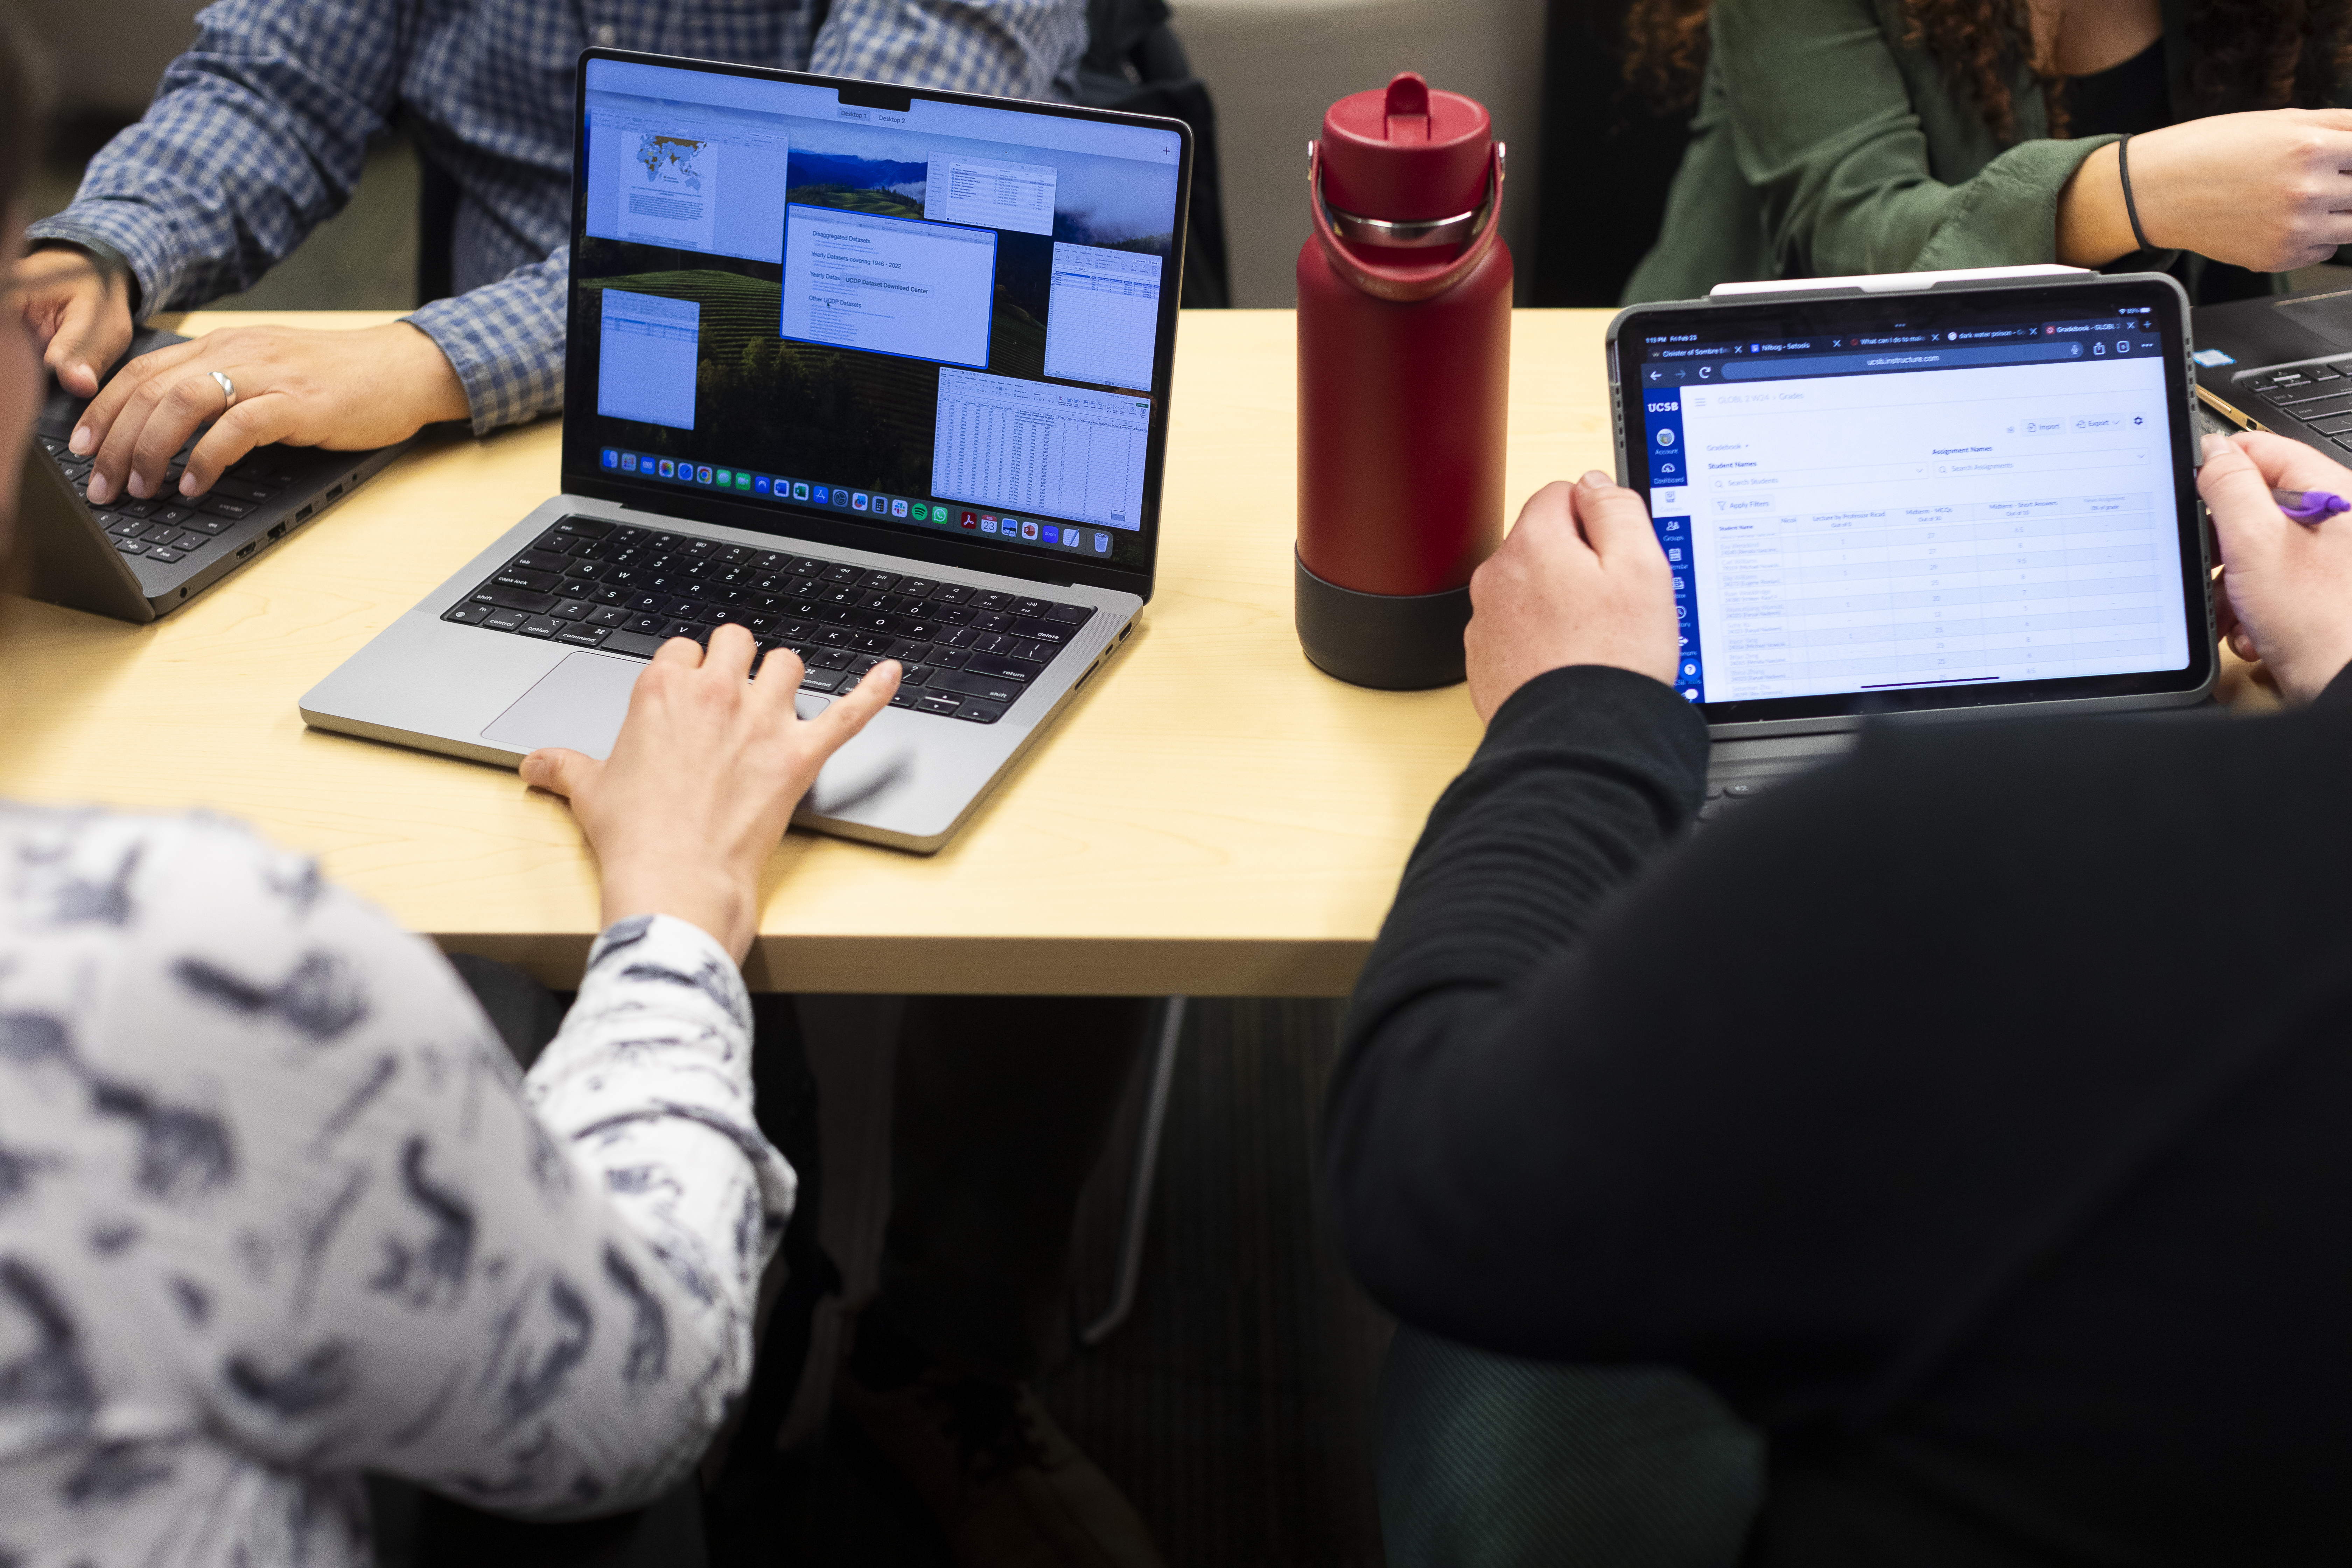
944 317
1944 501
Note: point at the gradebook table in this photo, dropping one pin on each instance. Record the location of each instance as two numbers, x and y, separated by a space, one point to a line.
1211 817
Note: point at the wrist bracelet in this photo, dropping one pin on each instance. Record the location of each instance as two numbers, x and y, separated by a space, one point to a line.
2131 208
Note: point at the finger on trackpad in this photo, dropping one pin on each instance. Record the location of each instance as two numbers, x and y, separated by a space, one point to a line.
579 704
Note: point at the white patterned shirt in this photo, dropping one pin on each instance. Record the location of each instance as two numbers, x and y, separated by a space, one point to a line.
260 131
277 1207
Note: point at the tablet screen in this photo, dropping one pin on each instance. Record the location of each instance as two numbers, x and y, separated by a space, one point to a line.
1903 504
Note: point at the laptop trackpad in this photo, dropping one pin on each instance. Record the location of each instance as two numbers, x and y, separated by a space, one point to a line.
580 703
2327 317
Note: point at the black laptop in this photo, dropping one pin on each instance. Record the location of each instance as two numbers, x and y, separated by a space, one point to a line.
136 560
2283 364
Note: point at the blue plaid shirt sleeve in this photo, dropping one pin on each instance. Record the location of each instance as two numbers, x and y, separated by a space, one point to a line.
505 339
258 134
1020 48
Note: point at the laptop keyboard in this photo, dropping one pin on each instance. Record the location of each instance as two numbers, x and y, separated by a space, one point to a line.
967 653
2317 396
170 527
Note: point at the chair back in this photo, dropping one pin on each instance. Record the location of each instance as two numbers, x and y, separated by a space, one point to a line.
1133 62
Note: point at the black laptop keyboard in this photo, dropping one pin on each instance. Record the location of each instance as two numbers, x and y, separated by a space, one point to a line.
2316 396
170 527
968 652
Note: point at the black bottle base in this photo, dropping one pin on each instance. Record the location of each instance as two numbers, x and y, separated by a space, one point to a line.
1397 642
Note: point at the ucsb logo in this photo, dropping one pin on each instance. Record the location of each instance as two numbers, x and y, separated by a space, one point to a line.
1672 407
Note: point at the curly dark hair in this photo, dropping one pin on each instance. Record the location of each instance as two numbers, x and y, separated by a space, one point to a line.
2251 53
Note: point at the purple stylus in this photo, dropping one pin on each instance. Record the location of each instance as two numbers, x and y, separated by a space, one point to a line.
2310 506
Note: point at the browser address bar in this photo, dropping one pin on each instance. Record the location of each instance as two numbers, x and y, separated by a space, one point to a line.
1921 358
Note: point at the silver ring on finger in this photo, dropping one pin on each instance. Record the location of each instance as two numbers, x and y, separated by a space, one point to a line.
228 389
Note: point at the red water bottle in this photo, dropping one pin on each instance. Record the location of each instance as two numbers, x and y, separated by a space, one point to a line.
1405 369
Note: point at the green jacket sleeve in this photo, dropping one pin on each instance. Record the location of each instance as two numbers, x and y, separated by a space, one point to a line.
1863 156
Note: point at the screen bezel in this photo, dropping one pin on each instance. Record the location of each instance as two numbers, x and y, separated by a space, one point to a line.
584 473
1947 304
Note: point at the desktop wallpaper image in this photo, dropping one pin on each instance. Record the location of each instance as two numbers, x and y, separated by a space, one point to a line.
802 410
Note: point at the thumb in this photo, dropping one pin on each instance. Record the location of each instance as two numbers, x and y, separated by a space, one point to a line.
1616 523
2246 519
560 771
88 339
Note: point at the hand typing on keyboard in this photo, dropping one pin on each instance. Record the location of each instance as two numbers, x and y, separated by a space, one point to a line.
703 779
350 390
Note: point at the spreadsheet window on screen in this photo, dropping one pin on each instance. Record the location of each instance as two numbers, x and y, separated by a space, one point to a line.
648 355
1853 533
1060 451
1104 314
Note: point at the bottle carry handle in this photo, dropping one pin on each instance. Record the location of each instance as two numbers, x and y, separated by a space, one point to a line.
1404 285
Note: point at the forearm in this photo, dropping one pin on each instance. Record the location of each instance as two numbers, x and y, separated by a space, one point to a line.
659 1040
1586 773
2094 221
1875 210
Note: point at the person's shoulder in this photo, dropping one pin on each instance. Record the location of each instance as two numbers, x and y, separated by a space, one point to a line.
68 868
167 886
179 923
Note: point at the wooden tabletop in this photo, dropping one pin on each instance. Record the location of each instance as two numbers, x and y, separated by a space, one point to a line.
1213 817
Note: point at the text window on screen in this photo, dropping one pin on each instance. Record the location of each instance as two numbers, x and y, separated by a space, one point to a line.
1849 534
1058 450
1103 316
672 178
888 285
646 358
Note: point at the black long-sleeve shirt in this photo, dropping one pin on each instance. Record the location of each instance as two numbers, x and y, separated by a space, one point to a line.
1974 1114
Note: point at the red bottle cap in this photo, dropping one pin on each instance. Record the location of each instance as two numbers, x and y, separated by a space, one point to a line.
1410 154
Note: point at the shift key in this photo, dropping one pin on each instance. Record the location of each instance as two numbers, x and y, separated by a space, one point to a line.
2313 410
988 688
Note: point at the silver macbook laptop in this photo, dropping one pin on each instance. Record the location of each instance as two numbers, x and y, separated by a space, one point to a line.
872 372
1918 498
